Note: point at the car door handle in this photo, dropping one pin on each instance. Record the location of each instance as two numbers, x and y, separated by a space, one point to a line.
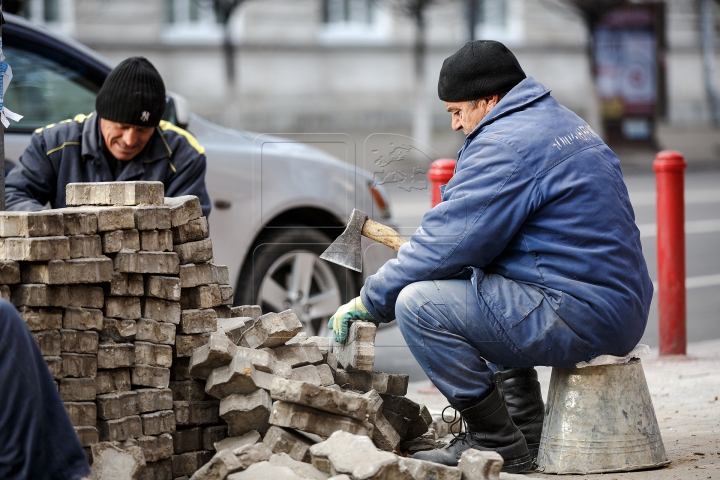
223 204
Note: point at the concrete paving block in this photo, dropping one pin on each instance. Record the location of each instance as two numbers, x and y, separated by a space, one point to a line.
308 373
79 222
161 310
148 376
87 435
116 240
120 429
116 355
219 351
118 331
78 318
85 246
358 352
165 243
227 294
160 470
219 467
37 249
155 332
114 193
39 295
265 361
282 440
115 380
234 327
195 274
147 353
399 423
252 311
150 241
156 448
203 296
38 319
113 463
128 308
85 296
187 464
154 399
220 274
327 376
331 361
127 285
422 443
107 218
192 231
167 288
299 355
188 390
236 377
315 421
233 443
480 465
347 404
401 405
180 370
157 423
356 456
112 406
417 428
244 413
82 414
423 469
198 320
76 341
194 252
214 434
187 440
79 365
49 342
425 414
62 272
186 344
160 263
196 412
384 435
154 217
5 292
272 330
183 209
383 383
323 343
54 364
9 272
297 339
45 223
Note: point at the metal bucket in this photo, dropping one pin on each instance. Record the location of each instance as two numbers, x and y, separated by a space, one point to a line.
600 419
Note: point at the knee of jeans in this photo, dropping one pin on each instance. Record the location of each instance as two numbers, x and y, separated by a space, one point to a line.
409 302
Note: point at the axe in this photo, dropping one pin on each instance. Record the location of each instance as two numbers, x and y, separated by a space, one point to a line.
346 249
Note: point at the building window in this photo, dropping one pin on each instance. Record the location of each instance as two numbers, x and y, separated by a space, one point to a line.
498 19
58 15
191 21
351 21
349 11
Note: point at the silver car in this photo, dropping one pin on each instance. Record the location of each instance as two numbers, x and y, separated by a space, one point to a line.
277 202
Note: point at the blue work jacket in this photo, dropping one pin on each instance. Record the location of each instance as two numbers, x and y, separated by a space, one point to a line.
72 151
538 215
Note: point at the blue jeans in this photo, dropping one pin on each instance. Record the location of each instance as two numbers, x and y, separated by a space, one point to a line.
37 440
453 340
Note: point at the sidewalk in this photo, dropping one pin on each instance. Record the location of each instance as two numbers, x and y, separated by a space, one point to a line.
685 395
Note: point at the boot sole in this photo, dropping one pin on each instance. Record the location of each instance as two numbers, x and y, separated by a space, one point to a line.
517 466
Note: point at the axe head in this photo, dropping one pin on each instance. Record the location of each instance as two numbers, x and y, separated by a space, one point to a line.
346 249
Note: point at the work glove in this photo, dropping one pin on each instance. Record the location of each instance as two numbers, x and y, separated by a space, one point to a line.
351 311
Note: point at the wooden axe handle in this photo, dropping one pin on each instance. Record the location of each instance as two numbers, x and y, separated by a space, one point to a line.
382 234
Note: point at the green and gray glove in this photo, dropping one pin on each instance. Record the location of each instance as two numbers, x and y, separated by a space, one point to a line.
351 311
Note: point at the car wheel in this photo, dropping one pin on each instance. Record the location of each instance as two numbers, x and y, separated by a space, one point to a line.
284 271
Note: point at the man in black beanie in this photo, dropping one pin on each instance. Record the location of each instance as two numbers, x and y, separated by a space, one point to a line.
532 258
124 139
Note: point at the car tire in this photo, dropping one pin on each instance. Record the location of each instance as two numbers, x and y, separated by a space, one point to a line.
284 271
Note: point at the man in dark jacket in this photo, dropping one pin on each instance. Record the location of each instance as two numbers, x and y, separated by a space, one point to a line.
124 139
532 258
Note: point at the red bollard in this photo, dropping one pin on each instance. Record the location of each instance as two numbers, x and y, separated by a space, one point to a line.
441 171
669 179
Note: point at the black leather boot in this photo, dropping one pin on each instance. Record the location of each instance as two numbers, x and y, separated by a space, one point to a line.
489 427
521 390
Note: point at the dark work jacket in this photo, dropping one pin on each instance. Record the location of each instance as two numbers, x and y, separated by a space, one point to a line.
71 151
538 214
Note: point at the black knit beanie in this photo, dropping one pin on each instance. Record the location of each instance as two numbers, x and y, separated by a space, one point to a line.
133 93
479 69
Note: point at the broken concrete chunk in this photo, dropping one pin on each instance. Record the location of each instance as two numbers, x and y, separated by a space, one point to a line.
167 288
123 307
196 412
281 440
115 193
85 246
348 404
112 406
116 355
183 209
47 223
244 413
155 332
355 455
156 217
192 231
358 352
62 272
161 263
233 443
315 421
161 310
219 351
480 465
272 330
237 377
113 463
198 320
116 240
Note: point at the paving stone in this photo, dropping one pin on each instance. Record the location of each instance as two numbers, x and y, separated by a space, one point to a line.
480 465
223 311
233 443
421 444
219 351
156 423
297 339
384 435
272 330
265 361
150 241
299 355
194 252
116 355
326 374
61 272
127 285
152 354
235 327
198 321
116 380
193 275
123 307
219 467
148 376
308 374
85 246
401 405
79 365
118 331
423 469
113 463
244 413
212 435
348 404
161 263
156 448
120 429
180 370
87 435
237 377
78 222
161 310
183 209
384 383
187 440
425 414
77 318
282 440
77 389
399 423
315 421
85 296
356 456
5 292
220 274
203 296
192 231
167 288
227 294
37 249
196 412
154 399
185 344
38 319
252 311
160 470
152 217
54 364
114 193
9 272
82 414
155 332
116 240
302 470
323 343
108 218
188 390
358 352
165 243
49 342
264 380
39 295
188 463
416 428
251 454
45 223
112 406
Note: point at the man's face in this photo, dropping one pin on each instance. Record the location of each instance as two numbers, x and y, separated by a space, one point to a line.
123 140
466 117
